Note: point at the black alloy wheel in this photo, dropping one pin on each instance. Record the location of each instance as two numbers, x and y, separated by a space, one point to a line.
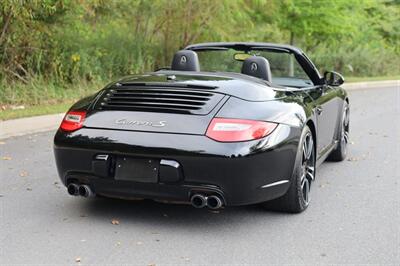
307 168
340 152
297 197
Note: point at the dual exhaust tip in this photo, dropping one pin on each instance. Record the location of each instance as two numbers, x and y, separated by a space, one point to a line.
200 201
80 190
197 200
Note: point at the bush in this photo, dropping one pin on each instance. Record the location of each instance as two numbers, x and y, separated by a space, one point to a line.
57 49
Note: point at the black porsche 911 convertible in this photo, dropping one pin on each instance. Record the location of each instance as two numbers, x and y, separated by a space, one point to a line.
227 124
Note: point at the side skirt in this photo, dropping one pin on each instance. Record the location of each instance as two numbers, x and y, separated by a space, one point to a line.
326 153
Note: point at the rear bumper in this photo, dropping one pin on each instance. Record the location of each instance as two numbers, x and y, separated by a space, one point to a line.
242 173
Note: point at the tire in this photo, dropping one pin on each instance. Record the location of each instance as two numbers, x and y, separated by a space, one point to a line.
297 197
340 152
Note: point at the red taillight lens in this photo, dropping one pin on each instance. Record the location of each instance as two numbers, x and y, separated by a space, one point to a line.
73 120
232 130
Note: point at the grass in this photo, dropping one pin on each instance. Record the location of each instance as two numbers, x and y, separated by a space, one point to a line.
41 97
35 110
41 91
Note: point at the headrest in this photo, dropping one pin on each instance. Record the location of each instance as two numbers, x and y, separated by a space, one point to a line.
257 66
185 60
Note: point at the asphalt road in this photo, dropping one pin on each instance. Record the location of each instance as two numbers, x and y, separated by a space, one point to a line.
353 217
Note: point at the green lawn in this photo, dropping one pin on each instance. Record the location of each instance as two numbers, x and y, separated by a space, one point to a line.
35 110
41 97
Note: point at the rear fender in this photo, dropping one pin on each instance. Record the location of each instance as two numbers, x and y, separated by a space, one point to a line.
278 111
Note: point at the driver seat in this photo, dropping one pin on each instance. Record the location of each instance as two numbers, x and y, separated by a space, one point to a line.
257 66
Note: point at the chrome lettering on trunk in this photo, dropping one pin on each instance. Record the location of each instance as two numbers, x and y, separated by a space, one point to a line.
124 121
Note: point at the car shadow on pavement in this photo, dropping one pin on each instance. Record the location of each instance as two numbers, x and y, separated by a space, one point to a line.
174 216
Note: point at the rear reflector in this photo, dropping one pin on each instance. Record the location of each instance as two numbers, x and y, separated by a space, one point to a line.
233 130
73 120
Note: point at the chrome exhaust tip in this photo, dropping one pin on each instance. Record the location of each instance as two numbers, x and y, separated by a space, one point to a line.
73 189
214 202
85 191
198 201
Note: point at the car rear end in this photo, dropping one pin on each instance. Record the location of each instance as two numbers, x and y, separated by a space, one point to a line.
168 142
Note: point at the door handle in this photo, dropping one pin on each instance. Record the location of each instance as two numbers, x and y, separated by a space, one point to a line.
319 110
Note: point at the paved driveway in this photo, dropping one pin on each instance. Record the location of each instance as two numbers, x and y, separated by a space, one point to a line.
353 217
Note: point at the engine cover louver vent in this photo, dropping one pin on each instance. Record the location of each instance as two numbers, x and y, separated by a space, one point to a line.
159 98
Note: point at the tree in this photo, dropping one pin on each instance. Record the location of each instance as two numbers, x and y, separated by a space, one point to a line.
312 21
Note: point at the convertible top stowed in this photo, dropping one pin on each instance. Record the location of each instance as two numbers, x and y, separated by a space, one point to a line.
245 46
213 137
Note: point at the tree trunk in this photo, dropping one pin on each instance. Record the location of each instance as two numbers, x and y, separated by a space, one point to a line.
291 38
6 20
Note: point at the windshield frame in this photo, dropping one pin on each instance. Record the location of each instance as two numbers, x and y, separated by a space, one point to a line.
306 64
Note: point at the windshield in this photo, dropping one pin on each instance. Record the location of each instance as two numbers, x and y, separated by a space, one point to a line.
285 69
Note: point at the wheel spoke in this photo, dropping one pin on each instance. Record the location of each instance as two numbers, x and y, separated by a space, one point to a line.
304 151
303 177
307 147
346 136
346 121
305 188
310 172
310 147
347 117
303 181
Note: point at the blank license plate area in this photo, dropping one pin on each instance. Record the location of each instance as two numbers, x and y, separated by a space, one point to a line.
138 170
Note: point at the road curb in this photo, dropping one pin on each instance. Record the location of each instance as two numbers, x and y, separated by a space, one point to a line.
29 125
371 84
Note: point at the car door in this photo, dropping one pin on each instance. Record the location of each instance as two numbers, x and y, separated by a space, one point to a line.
326 105
326 108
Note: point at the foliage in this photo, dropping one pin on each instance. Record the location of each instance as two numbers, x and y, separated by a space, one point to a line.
49 48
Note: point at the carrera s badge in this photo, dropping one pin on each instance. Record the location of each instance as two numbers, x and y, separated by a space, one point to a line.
125 121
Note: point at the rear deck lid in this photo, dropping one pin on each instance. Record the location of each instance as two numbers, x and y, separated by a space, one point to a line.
177 108
171 101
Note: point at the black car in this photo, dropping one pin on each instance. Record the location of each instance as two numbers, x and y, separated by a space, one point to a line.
227 124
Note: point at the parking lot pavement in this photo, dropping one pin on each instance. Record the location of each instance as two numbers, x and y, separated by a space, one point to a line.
353 217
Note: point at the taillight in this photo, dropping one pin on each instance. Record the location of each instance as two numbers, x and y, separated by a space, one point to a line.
73 120
232 130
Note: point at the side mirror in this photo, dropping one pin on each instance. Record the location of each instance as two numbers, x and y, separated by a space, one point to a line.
333 78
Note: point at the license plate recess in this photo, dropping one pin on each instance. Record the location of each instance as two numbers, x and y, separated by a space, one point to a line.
137 169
